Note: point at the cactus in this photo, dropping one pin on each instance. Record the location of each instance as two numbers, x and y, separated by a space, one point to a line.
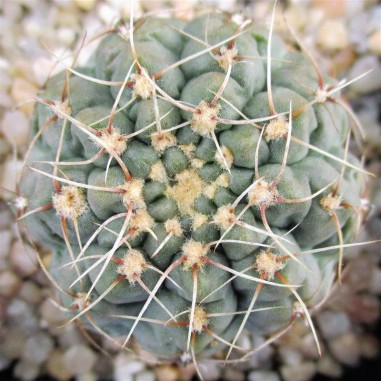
193 181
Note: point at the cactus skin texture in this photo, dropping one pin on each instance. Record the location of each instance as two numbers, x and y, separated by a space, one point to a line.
190 187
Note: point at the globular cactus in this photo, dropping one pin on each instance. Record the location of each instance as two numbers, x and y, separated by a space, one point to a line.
193 181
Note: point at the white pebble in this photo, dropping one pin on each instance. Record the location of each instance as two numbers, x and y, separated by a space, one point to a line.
371 81
374 42
301 372
262 375
346 349
66 36
17 310
27 371
290 356
107 14
24 262
333 324
333 35
125 367
37 348
52 314
12 170
145 376
15 127
80 359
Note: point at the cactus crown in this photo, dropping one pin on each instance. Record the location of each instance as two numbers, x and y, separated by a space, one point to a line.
187 174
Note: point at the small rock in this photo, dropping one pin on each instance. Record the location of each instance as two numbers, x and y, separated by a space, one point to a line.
290 356
371 81
23 91
333 35
13 343
5 239
56 366
17 310
211 371
329 367
229 374
301 372
24 262
10 283
30 293
80 359
346 349
166 373
12 169
25 370
52 314
262 375
125 366
85 5
15 127
145 376
333 324
37 348
374 42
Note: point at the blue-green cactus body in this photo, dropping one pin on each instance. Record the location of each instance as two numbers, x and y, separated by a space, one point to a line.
165 228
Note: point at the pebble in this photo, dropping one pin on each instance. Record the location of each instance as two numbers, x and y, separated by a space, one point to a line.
329 367
346 349
371 81
12 168
374 42
10 283
37 348
166 373
263 356
5 239
56 366
79 359
12 345
301 372
85 5
27 371
24 262
145 376
228 374
210 370
290 356
333 324
51 313
30 293
263 375
332 35
15 127
17 310
126 366
24 91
